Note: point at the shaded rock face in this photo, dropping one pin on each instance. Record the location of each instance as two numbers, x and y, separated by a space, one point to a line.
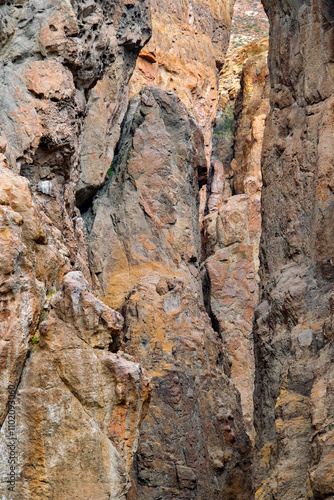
231 227
189 42
294 330
193 441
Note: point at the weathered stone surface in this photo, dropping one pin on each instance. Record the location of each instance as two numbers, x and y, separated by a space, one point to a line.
293 335
232 291
230 74
235 101
78 406
189 43
232 224
145 253
79 400
251 109
50 98
33 261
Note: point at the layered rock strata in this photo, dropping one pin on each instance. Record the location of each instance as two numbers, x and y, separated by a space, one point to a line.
193 441
189 42
294 415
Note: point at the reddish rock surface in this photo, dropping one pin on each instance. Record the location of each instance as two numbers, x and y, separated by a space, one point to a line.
78 406
232 226
89 424
51 58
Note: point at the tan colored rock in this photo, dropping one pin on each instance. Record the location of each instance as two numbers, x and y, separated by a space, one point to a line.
50 79
251 109
230 74
78 406
25 241
232 224
189 43
233 291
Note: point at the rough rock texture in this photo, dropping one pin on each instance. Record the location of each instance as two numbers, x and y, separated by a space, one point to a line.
78 406
294 415
232 224
232 291
230 78
53 54
32 254
189 42
230 74
193 442
251 109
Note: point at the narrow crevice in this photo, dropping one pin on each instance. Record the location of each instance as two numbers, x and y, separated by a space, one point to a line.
206 287
17 386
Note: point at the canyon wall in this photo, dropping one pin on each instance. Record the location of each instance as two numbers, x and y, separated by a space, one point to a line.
129 268
75 372
189 43
71 402
294 416
193 441
231 226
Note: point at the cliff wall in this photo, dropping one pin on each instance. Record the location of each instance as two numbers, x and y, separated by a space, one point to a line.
75 372
189 43
129 269
231 227
294 326
70 402
193 442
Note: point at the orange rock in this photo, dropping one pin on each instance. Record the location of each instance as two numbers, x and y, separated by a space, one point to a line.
189 42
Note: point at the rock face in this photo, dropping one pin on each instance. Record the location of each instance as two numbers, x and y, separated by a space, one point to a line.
78 405
232 224
32 254
230 80
53 54
251 109
148 289
192 442
294 416
189 42
75 396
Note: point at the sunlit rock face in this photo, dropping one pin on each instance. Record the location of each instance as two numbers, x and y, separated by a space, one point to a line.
193 441
189 42
79 405
294 322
